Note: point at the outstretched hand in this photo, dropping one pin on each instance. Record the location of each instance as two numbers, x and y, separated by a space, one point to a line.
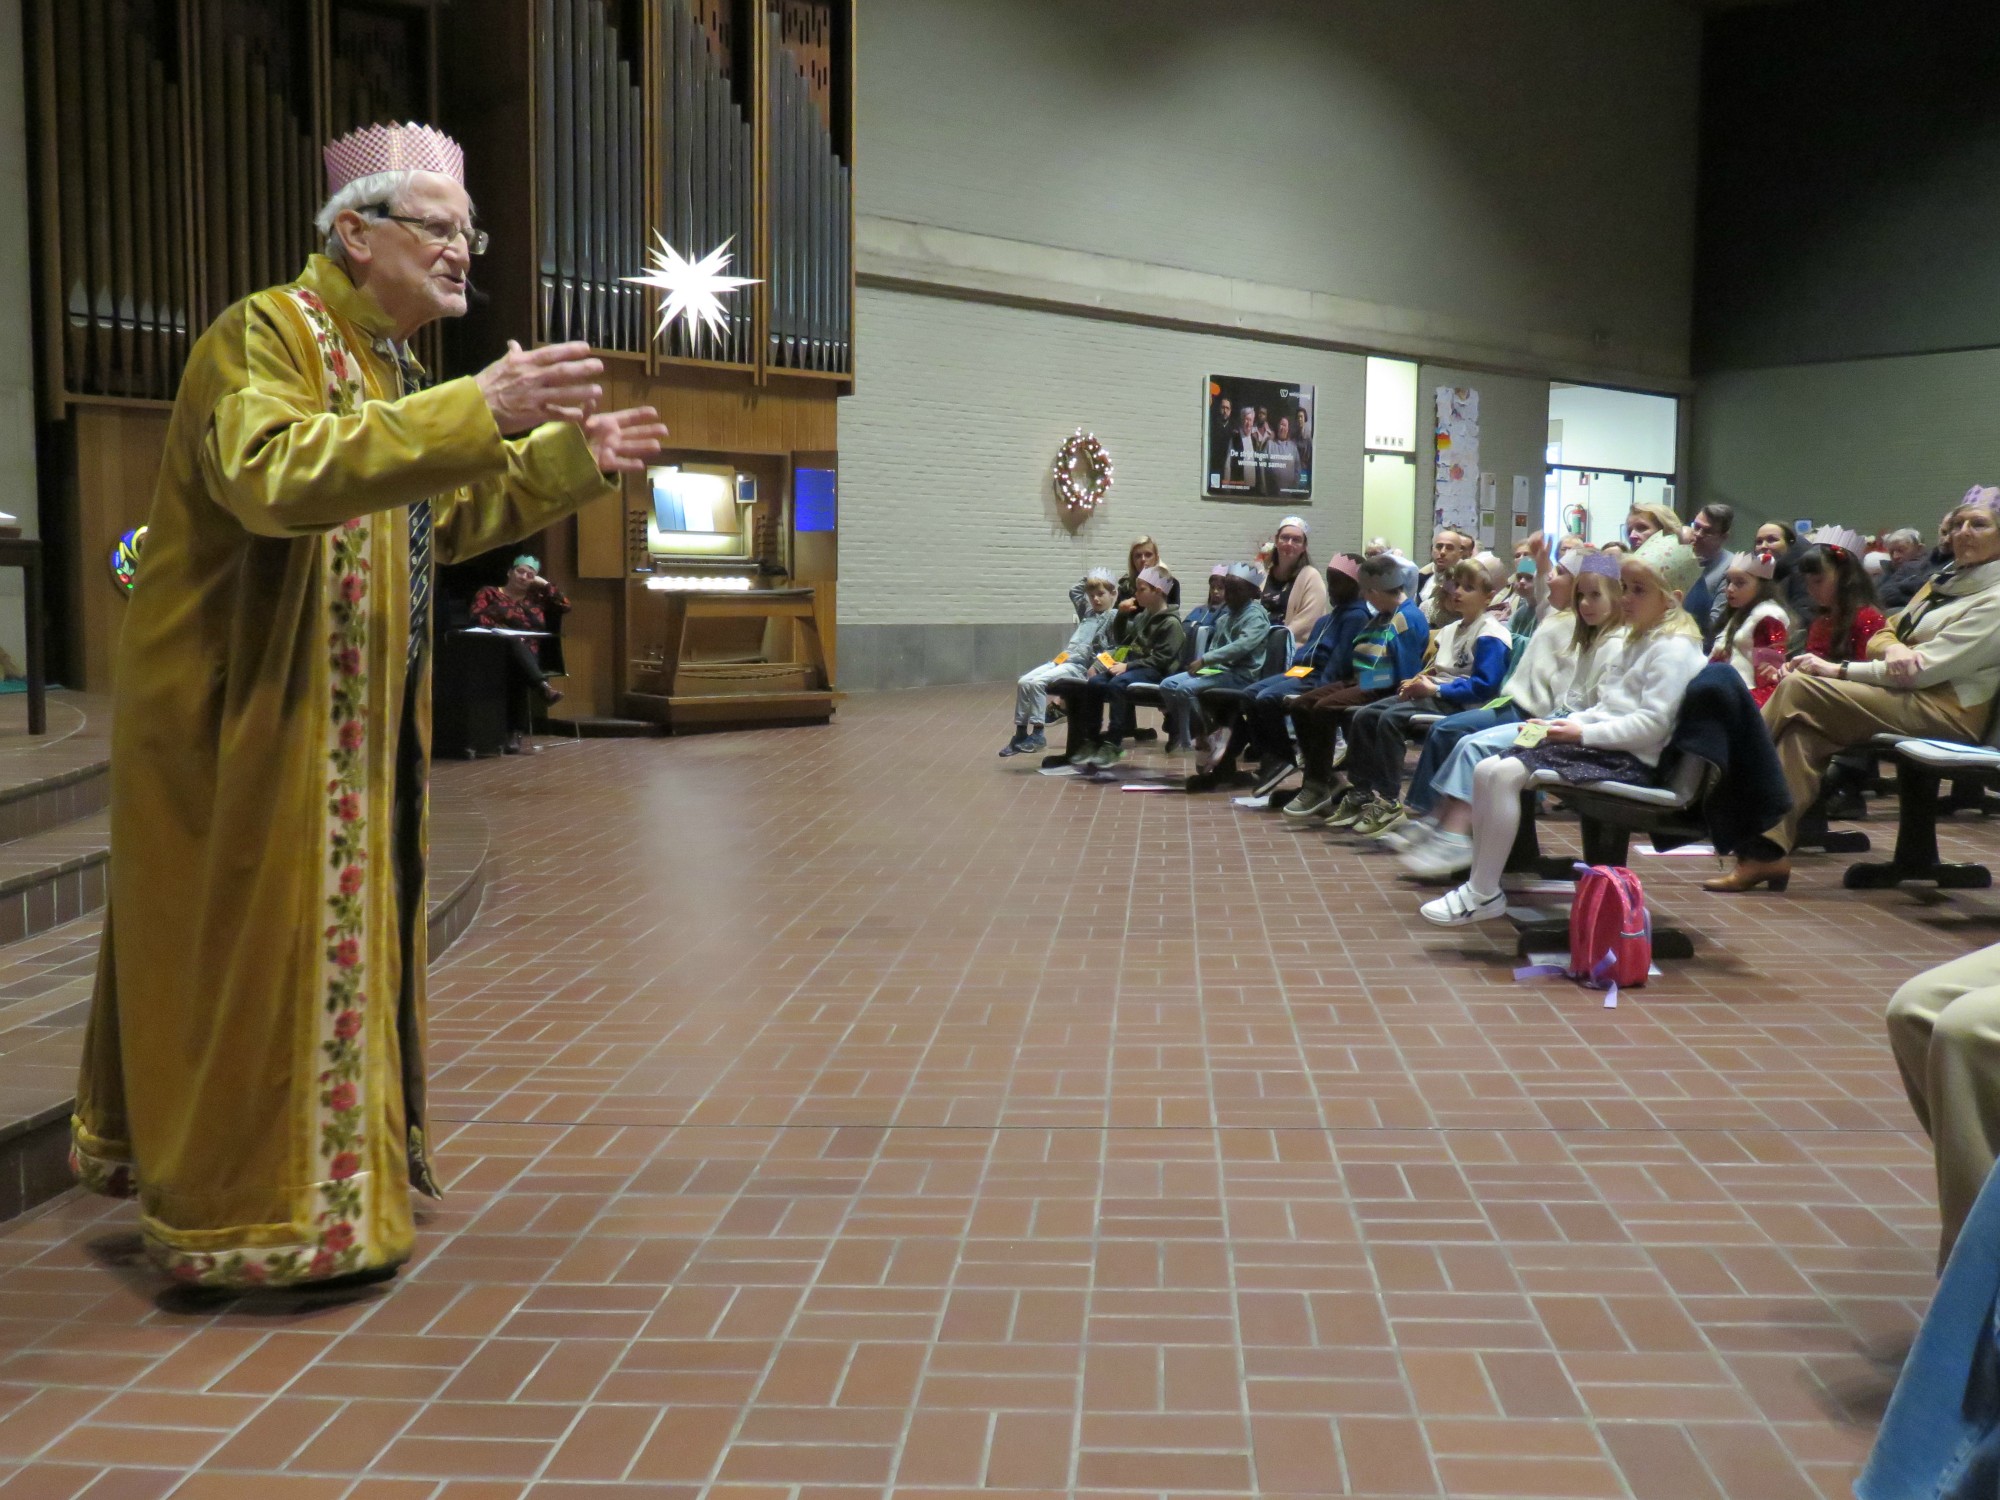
622 441
526 387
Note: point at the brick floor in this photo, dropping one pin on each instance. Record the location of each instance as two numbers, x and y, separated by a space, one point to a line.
845 1111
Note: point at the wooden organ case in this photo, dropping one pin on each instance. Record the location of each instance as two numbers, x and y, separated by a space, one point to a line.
592 127
176 146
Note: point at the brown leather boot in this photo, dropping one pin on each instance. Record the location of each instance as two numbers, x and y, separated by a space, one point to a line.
1751 873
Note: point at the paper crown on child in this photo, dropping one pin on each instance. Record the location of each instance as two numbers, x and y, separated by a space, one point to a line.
1157 577
1101 575
529 561
1220 570
392 148
1345 566
1298 521
1580 560
1981 494
1756 564
1840 539
1248 572
1671 558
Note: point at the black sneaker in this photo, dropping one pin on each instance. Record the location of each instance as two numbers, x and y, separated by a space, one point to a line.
1017 745
1273 776
1034 744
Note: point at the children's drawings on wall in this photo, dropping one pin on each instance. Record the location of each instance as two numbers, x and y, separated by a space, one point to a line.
1457 458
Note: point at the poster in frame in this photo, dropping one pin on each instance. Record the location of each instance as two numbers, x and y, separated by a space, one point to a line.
1257 439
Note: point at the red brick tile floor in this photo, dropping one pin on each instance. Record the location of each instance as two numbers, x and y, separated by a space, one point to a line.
842 1112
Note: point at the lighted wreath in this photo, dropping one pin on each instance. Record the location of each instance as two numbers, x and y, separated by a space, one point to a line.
1082 472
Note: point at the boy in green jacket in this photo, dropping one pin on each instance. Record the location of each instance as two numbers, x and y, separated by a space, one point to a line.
1147 646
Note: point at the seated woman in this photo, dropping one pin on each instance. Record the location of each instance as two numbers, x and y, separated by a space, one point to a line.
1755 624
1231 658
1294 592
1620 737
1932 674
524 602
1649 519
1556 676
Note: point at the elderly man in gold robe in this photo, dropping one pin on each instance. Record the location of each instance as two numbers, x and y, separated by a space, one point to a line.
254 1068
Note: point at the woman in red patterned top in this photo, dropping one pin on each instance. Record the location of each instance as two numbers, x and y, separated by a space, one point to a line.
1844 612
524 602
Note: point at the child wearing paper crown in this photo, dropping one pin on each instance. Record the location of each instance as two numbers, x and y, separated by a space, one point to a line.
1557 675
1145 647
1092 634
1468 662
1755 624
1844 617
1618 738
1388 652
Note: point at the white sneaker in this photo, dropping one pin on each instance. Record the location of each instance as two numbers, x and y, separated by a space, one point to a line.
1459 907
1443 855
1405 837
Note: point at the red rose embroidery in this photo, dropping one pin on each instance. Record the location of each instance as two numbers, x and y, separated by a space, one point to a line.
347 1025
353 588
352 734
337 1238
351 525
348 663
340 1098
350 880
347 953
322 1264
253 1271
345 1166
347 808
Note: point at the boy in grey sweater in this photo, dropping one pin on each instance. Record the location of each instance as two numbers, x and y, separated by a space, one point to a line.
1092 635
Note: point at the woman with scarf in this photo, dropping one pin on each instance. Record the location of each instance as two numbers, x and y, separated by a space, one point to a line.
1294 590
1932 674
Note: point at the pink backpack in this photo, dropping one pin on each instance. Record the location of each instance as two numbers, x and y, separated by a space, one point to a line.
1610 931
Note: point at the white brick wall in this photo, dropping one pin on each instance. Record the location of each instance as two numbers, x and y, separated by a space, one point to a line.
947 511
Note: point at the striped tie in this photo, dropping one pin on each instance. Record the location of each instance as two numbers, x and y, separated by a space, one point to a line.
414 379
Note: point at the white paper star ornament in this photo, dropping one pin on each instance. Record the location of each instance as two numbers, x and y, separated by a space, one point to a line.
693 288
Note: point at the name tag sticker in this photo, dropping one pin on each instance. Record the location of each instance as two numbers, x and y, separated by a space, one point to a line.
1106 659
1061 657
1530 736
1298 671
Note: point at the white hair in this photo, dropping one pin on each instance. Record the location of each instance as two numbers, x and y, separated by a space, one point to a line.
1905 534
363 192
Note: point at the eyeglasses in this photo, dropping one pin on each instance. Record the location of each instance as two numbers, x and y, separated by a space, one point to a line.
441 231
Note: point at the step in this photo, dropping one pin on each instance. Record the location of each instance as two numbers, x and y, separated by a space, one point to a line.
51 878
46 978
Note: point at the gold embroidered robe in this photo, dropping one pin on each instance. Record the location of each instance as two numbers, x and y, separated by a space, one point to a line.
253 1064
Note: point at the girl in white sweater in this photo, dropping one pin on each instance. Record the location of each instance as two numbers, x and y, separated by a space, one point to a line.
1557 675
1618 738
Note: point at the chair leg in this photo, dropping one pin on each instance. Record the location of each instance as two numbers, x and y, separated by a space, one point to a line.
1605 844
1916 856
1814 834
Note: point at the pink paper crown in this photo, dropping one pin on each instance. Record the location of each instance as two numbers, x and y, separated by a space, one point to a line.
1756 564
1844 538
392 148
